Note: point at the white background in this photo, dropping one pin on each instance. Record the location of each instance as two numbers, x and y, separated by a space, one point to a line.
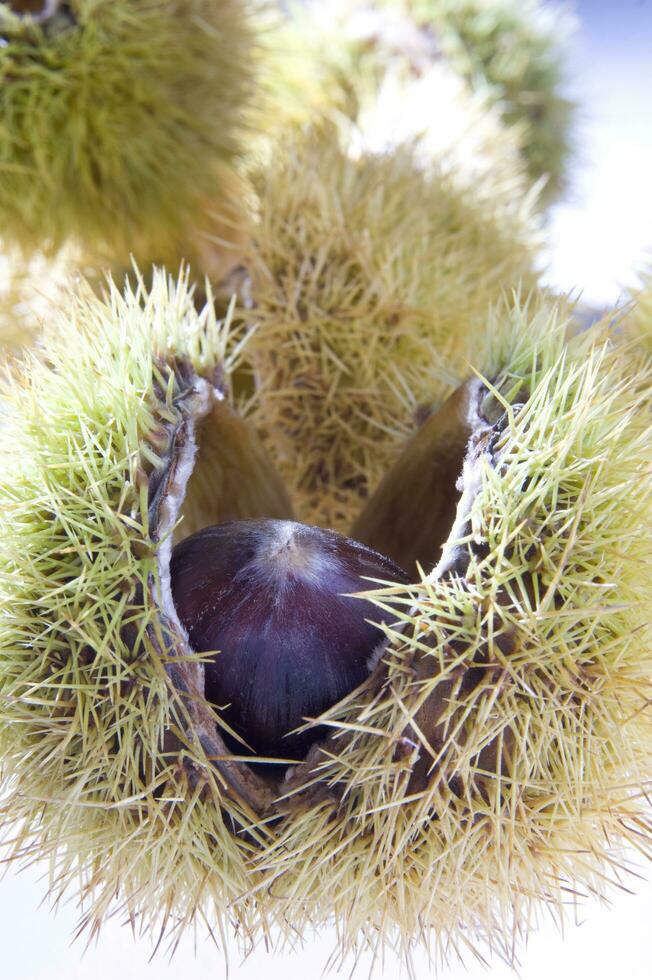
602 232
35 945
598 238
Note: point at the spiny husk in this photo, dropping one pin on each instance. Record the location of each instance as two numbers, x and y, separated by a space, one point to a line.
455 130
118 118
498 756
99 771
370 282
502 761
376 82
336 59
309 72
31 287
514 51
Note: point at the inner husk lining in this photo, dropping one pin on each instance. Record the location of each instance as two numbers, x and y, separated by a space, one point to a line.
416 508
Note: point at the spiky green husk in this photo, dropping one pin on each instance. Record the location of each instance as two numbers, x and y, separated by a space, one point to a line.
514 51
503 763
375 95
462 137
371 279
335 59
498 756
85 697
116 123
32 287
309 72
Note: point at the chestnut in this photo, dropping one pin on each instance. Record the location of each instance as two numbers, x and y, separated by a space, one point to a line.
269 599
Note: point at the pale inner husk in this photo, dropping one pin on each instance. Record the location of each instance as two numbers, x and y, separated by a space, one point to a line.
213 469
417 507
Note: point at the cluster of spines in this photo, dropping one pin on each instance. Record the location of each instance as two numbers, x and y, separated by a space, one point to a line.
506 757
536 662
336 62
91 782
371 282
506 746
174 82
514 53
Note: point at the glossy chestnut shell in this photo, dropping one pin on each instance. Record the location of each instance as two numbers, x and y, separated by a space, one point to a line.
269 598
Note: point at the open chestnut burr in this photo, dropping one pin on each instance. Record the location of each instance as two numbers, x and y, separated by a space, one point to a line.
477 746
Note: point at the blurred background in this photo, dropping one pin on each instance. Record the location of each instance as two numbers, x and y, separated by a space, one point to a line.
602 231
599 235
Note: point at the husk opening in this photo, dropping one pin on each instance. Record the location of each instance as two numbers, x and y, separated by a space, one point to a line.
216 469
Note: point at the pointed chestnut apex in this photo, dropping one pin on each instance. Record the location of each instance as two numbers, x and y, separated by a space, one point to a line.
271 597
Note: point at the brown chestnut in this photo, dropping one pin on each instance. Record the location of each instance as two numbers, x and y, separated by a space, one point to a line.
269 597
